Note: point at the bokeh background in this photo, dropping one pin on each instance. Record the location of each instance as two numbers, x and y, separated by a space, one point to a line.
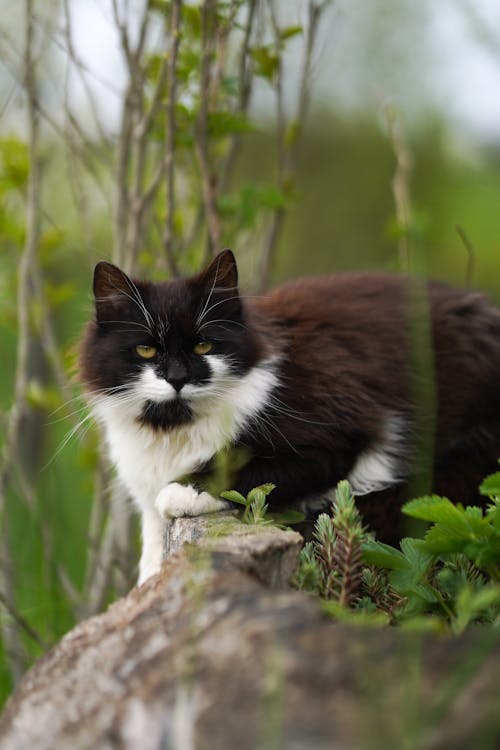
309 136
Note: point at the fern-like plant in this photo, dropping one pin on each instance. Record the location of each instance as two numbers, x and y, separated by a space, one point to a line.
332 564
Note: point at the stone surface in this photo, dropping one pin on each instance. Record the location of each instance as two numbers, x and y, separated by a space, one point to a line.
214 654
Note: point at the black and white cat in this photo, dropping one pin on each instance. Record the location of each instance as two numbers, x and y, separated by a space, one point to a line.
316 380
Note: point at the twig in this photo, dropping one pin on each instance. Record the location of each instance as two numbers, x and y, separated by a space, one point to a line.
168 236
287 153
22 623
245 78
20 410
401 185
471 254
208 179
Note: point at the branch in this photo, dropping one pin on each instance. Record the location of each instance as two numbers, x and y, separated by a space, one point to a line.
20 409
245 78
471 254
401 184
208 180
168 236
287 153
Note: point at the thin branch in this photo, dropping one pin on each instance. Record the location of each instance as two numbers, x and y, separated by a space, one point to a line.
401 185
80 67
287 153
471 254
245 77
208 179
20 409
23 624
271 242
168 236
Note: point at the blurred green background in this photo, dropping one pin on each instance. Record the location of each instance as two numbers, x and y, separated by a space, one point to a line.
388 81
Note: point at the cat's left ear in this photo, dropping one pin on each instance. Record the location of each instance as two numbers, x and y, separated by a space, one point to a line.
112 290
221 273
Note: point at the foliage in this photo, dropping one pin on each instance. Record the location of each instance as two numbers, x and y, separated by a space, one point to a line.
451 576
256 508
331 565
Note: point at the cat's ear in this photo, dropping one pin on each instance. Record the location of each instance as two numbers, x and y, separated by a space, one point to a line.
112 289
221 273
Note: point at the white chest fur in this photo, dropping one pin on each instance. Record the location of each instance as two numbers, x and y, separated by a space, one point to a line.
147 460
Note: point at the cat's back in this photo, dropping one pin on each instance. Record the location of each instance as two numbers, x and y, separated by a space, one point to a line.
350 293
377 315
378 298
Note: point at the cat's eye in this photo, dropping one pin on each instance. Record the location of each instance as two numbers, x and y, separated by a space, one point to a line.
146 352
202 347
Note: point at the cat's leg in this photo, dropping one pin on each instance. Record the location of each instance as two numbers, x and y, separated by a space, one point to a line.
295 476
176 500
153 542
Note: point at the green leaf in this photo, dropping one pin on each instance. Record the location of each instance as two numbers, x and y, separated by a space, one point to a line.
264 489
42 397
383 556
234 497
256 496
14 163
471 604
266 61
161 6
191 18
222 123
491 485
290 31
411 579
442 539
439 510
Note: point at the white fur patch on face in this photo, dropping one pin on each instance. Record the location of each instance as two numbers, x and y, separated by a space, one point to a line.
153 388
220 369
383 465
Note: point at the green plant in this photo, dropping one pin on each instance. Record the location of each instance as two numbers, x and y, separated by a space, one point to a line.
256 508
332 564
448 579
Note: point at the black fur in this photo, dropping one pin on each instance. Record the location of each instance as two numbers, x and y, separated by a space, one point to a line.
351 350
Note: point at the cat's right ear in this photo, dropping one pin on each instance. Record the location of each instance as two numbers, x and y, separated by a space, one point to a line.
112 289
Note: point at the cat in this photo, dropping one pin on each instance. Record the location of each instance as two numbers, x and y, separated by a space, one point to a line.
318 380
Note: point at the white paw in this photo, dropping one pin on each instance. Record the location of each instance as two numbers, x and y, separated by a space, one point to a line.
176 500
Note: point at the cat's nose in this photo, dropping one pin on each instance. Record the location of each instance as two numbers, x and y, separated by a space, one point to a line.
177 376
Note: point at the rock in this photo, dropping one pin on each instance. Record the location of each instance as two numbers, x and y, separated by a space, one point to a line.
215 654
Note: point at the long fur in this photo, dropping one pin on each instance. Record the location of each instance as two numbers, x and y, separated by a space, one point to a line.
351 375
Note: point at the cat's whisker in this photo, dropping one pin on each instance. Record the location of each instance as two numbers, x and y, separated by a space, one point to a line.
85 422
140 302
209 297
206 311
221 323
130 323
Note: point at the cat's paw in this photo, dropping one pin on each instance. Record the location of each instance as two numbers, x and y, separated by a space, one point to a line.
176 500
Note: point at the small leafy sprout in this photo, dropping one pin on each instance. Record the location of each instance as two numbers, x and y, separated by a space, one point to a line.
256 508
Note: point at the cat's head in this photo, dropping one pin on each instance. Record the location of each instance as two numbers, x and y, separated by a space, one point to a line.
164 349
